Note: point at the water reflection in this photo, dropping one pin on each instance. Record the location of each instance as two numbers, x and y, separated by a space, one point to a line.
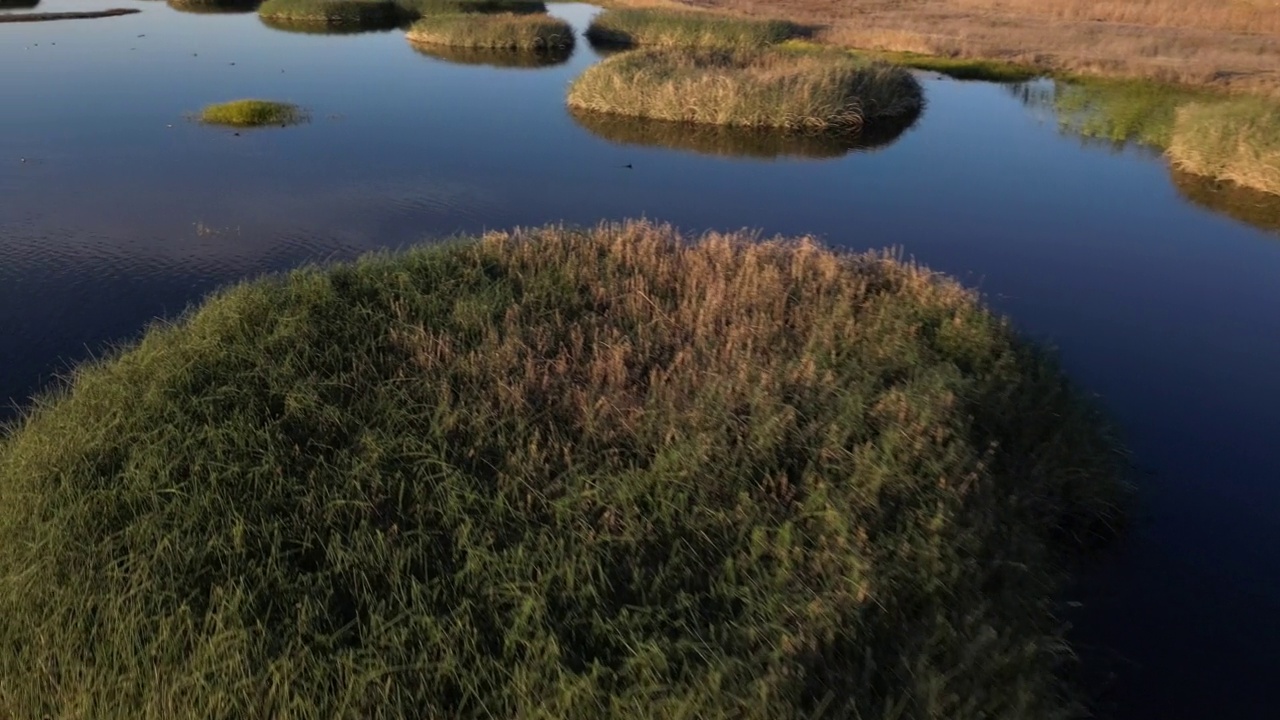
1254 207
734 142
321 27
213 7
18 4
498 58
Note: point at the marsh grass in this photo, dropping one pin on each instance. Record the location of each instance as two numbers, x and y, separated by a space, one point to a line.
1236 140
816 92
252 113
684 29
556 474
728 141
503 31
494 58
1122 111
351 13
962 68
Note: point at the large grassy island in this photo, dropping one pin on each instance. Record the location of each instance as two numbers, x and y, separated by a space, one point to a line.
556 474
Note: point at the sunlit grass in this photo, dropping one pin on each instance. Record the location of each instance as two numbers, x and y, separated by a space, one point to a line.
1236 140
504 31
252 113
556 474
683 29
763 89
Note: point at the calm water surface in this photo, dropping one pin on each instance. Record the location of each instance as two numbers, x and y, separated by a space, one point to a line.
124 211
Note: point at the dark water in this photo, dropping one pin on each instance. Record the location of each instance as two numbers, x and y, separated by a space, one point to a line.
1162 292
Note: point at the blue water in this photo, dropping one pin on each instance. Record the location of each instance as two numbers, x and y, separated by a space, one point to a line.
115 209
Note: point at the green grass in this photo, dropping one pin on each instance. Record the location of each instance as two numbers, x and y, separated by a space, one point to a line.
350 13
1122 111
727 141
682 29
214 6
556 474
504 31
252 113
816 92
962 68
1236 139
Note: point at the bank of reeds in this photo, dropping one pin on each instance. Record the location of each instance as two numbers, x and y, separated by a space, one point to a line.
252 113
555 473
347 13
1236 140
684 29
817 92
503 31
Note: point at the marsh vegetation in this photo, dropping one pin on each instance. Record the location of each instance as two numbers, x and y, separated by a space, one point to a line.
252 113
677 29
501 31
557 473
812 92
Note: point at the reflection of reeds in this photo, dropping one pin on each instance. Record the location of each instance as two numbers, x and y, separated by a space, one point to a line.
368 14
682 29
1253 207
504 31
320 27
214 7
1236 140
736 141
495 58
419 8
815 92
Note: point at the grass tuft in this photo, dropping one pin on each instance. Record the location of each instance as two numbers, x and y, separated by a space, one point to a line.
349 13
504 31
252 113
558 474
1236 140
682 29
816 92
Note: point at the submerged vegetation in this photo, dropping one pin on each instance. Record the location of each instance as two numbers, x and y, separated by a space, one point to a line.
818 92
562 474
729 141
351 13
505 31
252 113
685 29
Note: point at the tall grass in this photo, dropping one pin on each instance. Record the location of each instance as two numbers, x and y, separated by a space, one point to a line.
1236 140
556 474
504 31
252 113
682 29
728 141
763 89
352 13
